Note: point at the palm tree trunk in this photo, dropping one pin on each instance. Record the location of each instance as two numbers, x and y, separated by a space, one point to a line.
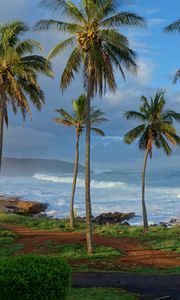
72 217
2 103
144 211
89 231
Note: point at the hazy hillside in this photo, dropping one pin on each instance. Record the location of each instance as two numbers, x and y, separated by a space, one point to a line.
18 167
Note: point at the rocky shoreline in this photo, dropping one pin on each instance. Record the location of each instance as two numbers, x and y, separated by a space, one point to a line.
38 209
114 218
17 205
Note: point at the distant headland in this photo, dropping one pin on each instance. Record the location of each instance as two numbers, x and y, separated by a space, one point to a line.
31 166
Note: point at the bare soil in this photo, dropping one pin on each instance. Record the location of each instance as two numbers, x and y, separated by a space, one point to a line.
134 252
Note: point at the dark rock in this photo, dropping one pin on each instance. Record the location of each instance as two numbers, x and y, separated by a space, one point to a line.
113 218
16 205
164 224
154 225
126 223
174 221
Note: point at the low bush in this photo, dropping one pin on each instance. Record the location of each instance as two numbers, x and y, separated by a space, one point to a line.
33 277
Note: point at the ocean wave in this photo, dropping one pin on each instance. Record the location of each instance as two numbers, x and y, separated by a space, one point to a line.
80 182
101 171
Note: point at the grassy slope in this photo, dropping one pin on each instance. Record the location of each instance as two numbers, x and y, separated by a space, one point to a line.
167 239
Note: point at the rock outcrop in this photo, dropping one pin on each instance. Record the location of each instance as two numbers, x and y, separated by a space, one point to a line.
16 205
113 218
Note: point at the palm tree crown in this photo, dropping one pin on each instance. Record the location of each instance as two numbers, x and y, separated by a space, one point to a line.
157 127
78 117
96 43
19 68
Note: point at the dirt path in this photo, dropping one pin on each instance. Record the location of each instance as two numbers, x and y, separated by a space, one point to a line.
134 253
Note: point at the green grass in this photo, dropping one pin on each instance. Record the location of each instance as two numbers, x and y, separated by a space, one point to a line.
6 247
35 223
76 251
165 245
127 269
101 294
137 231
159 238
6 233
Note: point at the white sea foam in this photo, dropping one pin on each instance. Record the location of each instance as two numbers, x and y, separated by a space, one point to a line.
80 182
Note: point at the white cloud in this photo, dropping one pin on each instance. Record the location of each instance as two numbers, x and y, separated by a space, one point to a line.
152 11
135 84
113 138
155 22
146 69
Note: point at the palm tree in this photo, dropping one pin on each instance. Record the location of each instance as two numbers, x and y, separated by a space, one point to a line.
97 46
18 73
77 120
174 27
156 130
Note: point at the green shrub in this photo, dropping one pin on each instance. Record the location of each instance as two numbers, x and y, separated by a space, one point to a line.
34 278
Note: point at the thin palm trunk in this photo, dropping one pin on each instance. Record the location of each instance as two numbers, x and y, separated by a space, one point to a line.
144 211
89 231
2 103
72 217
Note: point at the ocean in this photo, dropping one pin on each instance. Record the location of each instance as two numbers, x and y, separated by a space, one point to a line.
111 191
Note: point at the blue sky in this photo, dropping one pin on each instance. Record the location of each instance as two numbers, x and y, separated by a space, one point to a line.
158 59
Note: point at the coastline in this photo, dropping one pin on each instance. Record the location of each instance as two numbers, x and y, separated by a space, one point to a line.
39 210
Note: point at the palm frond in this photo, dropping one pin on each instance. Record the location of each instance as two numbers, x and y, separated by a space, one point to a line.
129 115
98 131
171 115
173 26
55 5
124 18
134 133
177 76
28 46
74 12
72 67
57 25
165 145
64 122
61 47
38 64
65 115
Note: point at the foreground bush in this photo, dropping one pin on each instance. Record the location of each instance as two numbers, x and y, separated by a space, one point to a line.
34 278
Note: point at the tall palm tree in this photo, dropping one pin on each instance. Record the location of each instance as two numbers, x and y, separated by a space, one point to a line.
156 130
18 73
97 47
174 27
77 120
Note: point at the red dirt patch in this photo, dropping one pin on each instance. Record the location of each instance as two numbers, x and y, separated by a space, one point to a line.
134 253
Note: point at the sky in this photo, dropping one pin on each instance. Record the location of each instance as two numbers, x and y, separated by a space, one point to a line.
158 60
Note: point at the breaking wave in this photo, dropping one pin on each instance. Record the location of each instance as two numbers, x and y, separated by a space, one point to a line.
80 182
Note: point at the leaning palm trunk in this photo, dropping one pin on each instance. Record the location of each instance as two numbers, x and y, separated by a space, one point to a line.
2 104
72 217
89 233
144 211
